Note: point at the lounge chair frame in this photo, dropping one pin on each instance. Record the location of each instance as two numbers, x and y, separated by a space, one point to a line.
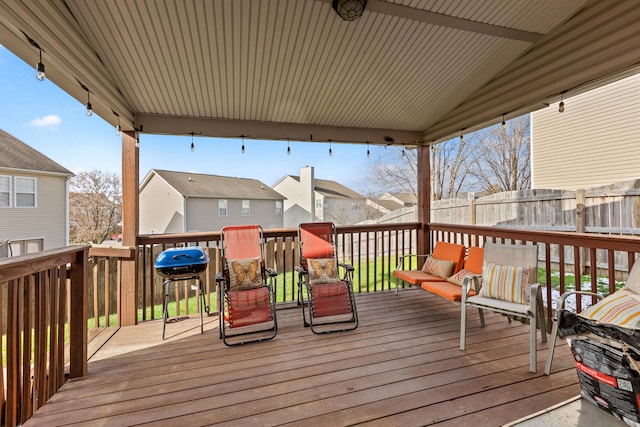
241 242
318 240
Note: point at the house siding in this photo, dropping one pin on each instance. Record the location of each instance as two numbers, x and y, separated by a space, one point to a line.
202 214
47 221
294 212
594 142
161 208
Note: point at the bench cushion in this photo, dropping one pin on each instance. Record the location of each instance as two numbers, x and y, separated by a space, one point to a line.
446 290
415 277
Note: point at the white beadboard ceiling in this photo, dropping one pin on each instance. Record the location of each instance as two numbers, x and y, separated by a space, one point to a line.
411 70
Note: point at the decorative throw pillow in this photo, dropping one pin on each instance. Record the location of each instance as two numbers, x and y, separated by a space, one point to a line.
438 267
621 308
505 282
244 273
457 278
322 270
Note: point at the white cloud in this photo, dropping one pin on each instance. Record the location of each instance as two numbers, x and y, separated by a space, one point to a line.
50 120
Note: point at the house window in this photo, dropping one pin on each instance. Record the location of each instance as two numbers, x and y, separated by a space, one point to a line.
222 207
25 192
318 203
246 208
278 207
5 191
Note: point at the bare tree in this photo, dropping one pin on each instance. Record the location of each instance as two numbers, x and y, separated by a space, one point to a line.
452 163
505 163
395 170
95 206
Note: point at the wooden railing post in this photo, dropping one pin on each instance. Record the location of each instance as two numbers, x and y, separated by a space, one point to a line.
424 198
79 302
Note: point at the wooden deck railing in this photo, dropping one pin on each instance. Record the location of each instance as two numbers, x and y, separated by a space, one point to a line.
579 254
372 249
44 305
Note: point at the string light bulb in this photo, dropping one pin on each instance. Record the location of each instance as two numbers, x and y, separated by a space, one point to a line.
561 105
461 136
242 149
288 148
330 150
89 109
368 152
193 146
504 124
118 127
40 74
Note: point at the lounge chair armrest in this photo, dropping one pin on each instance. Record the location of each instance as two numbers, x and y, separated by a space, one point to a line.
271 272
219 277
472 280
301 270
561 301
348 267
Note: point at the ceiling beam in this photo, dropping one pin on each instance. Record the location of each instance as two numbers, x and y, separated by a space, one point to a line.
222 128
413 14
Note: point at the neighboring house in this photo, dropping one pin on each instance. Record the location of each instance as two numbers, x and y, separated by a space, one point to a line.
34 199
404 199
594 142
180 202
328 200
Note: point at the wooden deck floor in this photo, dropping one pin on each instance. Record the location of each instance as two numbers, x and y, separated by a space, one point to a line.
401 367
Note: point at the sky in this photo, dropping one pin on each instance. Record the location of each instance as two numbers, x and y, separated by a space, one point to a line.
46 118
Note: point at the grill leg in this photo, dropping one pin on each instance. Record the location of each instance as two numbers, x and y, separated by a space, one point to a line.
165 304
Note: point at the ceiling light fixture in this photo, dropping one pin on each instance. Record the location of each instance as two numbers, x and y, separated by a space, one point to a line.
349 10
561 105
40 75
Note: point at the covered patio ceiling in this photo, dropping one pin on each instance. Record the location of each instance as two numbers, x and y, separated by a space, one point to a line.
406 72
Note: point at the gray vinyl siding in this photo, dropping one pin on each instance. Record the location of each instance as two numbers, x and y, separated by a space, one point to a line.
594 142
202 214
161 208
47 221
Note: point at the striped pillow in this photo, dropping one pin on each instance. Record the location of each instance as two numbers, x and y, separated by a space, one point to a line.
621 308
505 282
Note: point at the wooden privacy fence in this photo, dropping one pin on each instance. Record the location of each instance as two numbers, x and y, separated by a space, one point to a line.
612 210
43 300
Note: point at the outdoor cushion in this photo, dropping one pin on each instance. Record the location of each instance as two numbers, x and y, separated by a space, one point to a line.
322 270
415 277
505 282
622 308
438 267
457 278
475 260
450 251
244 273
446 290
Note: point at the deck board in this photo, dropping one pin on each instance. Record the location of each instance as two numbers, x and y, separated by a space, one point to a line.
402 366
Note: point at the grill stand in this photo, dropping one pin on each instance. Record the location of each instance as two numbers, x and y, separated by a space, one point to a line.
165 303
